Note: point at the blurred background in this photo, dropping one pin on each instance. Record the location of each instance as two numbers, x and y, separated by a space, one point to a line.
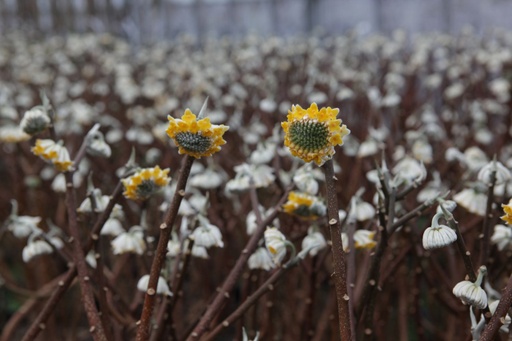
152 20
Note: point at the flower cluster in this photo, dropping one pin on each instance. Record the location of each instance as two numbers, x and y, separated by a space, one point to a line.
195 137
311 134
145 182
53 152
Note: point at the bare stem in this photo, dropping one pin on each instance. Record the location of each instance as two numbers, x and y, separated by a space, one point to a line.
267 286
96 326
497 318
486 227
66 279
339 256
236 271
143 330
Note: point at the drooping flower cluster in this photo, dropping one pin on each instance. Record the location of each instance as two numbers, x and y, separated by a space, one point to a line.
53 152
311 134
195 137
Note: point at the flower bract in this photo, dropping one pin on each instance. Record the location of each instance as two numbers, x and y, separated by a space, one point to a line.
195 137
311 134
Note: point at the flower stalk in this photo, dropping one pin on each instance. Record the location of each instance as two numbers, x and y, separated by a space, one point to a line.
339 256
143 330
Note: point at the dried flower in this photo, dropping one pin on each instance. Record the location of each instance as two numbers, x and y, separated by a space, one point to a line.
194 137
145 182
311 134
438 235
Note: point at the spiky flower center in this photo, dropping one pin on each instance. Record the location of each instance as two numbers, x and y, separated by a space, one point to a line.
309 135
146 188
194 143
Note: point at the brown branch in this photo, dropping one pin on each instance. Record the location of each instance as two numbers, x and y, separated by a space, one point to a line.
497 318
230 281
143 330
96 326
339 256
65 280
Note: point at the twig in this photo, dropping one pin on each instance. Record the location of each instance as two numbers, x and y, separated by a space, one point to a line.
497 318
267 286
66 279
96 326
486 226
230 281
161 250
339 256
370 292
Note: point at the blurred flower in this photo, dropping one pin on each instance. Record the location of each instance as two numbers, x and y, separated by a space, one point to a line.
305 180
471 293
363 239
13 134
207 179
304 206
146 182
508 212
472 200
100 202
261 259
437 235
96 145
313 243
206 234
502 237
361 210
53 152
259 175
409 170
502 173
264 153
112 227
311 134
35 247
162 288
194 137
275 242
23 226
35 120
131 241
250 220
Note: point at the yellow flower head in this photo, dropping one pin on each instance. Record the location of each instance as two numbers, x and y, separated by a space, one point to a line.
304 205
145 182
311 134
508 212
53 152
363 239
194 137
